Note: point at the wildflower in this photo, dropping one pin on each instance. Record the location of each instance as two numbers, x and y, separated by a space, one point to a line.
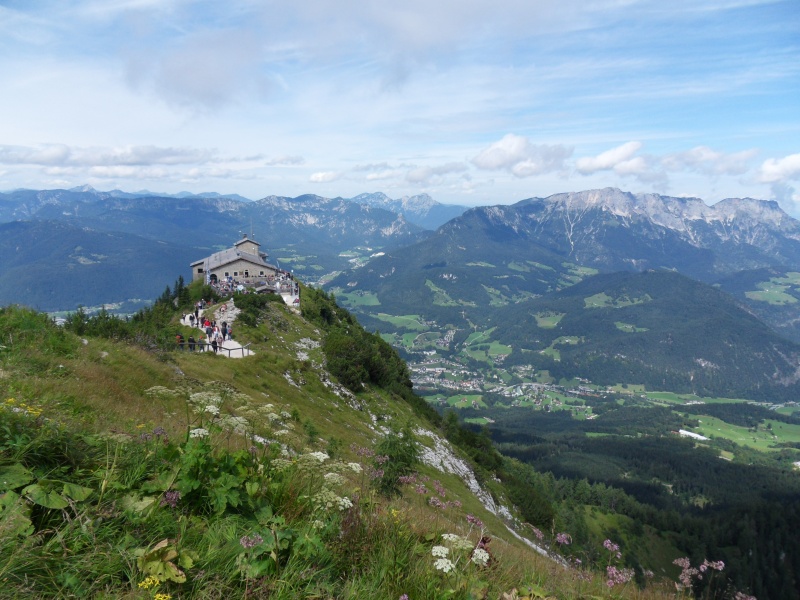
404 597
440 551
248 541
320 457
260 440
451 537
200 432
618 576
149 582
362 451
435 502
354 467
537 533
439 488
743 596
212 409
444 565
480 557
345 503
473 520
611 546
408 479
564 539
162 597
375 473
171 498
159 431
334 478
717 565
421 489
280 464
381 459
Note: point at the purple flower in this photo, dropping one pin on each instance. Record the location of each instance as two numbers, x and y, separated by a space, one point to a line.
473 520
564 539
538 533
611 546
250 541
171 498
404 597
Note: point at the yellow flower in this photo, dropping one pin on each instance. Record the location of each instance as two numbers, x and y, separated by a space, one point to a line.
162 597
140 426
149 582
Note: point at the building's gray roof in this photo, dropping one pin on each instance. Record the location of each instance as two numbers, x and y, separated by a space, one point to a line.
231 255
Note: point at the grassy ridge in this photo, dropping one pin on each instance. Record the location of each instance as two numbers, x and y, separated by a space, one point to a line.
134 471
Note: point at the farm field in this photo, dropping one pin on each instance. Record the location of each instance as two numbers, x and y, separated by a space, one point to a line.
763 439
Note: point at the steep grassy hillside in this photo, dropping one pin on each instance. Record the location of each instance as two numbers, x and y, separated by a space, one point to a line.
129 469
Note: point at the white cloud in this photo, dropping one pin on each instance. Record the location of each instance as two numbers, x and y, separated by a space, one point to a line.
324 177
780 169
516 154
703 159
610 159
424 175
129 172
283 161
61 154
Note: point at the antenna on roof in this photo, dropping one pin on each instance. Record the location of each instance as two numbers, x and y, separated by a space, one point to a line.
251 229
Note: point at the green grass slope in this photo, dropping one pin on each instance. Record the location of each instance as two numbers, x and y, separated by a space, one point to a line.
656 328
129 469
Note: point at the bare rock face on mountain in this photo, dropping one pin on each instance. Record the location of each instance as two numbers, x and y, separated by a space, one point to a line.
613 230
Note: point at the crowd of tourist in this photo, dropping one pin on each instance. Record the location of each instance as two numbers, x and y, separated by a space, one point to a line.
215 334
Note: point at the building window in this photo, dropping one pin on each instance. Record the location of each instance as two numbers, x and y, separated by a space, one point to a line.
261 273
247 273
199 269
236 273
227 274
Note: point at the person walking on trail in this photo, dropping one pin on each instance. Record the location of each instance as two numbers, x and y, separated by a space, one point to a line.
214 345
191 343
224 330
209 332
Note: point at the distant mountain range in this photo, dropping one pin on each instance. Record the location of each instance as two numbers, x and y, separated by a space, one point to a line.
421 210
309 234
498 255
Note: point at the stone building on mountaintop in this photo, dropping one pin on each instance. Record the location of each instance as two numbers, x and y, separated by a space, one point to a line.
244 263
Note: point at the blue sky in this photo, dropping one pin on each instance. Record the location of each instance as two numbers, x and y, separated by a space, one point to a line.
472 102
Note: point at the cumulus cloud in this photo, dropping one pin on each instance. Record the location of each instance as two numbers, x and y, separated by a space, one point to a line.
517 155
780 169
616 158
703 159
324 177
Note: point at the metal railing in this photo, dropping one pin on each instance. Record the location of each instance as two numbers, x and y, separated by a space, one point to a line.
206 347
